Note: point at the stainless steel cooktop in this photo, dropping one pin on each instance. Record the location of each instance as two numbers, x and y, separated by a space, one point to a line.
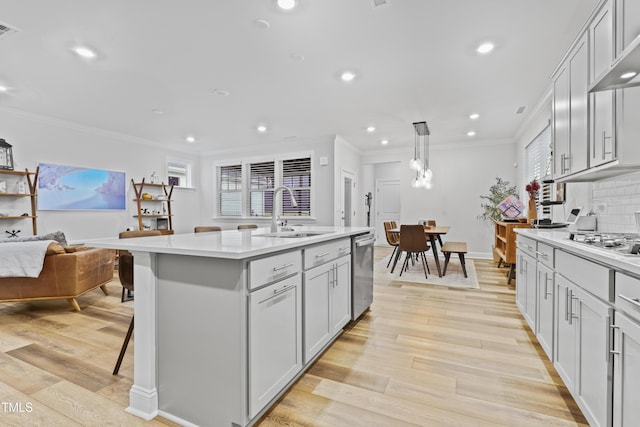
625 243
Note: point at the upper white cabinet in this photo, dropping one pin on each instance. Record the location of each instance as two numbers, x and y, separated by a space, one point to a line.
570 111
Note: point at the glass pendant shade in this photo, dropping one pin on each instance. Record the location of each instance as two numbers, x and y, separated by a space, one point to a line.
420 161
415 164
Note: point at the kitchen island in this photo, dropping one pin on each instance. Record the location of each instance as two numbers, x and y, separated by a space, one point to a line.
226 321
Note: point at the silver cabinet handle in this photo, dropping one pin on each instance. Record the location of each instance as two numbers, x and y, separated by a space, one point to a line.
604 145
566 304
612 343
542 254
634 301
283 289
344 248
571 315
545 286
282 267
322 254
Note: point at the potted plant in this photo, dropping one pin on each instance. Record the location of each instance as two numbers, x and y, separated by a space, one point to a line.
490 212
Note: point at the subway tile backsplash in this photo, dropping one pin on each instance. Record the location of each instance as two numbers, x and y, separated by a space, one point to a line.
614 201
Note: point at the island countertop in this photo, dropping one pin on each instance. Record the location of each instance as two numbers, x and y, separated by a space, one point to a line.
227 244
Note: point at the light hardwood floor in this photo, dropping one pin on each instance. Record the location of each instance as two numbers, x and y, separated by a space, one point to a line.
424 355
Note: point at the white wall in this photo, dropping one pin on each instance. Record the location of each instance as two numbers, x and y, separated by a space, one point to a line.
347 158
37 139
461 174
322 179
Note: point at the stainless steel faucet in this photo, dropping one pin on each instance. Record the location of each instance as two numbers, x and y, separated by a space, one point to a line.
274 217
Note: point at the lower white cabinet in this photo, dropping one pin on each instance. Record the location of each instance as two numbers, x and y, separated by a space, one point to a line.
275 340
526 287
327 303
626 356
544 300
565 333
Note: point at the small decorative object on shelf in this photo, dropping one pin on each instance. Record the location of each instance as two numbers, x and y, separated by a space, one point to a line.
13 233
6 155
153 178
532 188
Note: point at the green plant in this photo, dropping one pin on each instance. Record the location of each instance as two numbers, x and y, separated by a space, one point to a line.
497 193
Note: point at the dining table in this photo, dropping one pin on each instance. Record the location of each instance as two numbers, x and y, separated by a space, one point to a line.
433 233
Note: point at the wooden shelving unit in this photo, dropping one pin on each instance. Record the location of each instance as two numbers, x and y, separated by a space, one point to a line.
162 189
505 243
31 178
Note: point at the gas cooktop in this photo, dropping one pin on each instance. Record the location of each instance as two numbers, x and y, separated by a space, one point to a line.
625 243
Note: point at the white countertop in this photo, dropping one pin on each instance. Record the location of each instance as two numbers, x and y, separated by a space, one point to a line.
228 244
607 257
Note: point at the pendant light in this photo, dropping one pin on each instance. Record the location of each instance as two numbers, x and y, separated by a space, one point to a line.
424 173
415 162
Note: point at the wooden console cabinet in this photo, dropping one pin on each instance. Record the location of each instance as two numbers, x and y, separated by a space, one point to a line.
505 243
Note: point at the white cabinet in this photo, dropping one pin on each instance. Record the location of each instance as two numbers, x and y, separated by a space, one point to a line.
570 111
565 333
626 354
601 49
526 287
275 340
327 303
545 316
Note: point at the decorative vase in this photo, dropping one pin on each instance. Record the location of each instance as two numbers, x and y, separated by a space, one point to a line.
532 213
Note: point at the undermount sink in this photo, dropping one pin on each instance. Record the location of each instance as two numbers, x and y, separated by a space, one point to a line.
292 234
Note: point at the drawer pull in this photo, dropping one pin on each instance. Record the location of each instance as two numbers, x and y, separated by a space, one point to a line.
343 248
282 267
634 301
283 289
542 254
322 254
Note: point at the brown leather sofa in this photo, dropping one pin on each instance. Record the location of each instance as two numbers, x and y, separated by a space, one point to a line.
66 274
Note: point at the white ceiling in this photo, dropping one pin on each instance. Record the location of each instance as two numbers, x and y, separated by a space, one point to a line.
415 60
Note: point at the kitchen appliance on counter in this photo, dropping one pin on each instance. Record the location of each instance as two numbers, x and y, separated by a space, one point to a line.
361 273
623 243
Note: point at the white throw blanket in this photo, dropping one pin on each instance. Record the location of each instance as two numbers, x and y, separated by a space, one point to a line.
22 259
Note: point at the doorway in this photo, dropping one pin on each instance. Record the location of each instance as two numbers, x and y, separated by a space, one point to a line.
387 205
348 211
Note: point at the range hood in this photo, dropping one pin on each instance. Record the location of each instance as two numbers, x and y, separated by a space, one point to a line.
628 61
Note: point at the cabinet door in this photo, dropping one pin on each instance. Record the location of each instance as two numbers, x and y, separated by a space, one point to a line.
560 123
626 408
521 281
545 309
593 379
565 332
601 139
628 22
526 288
578 111
317 297
341 294
275 340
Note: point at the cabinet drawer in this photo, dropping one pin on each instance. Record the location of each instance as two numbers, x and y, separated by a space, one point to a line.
544 254
272 268
526 245
325 252
592 277
627 296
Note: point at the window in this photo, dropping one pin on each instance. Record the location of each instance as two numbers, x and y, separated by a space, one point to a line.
538 156
247 189
230 190
296 174
179 173
261 180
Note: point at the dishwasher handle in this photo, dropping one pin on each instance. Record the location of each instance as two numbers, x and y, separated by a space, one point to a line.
365 242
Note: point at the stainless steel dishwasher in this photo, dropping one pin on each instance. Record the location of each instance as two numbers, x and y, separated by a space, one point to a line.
361 273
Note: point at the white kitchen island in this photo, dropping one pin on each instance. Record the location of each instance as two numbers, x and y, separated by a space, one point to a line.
220 326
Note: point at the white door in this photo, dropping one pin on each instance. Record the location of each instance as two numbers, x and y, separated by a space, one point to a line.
347 203
387 206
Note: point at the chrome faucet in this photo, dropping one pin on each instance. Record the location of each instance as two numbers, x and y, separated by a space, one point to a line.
274 218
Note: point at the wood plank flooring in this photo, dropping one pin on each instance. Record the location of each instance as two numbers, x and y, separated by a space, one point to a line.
423 356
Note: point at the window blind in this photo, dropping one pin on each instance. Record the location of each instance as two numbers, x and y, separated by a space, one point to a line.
261 186
538 159
230 190
296 174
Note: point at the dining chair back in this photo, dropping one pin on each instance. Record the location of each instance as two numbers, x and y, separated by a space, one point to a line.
392 238
206 228
246 226
413 242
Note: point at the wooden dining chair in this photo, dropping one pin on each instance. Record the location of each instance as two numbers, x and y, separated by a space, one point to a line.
206 228
246 226
413 242
392 238
125 274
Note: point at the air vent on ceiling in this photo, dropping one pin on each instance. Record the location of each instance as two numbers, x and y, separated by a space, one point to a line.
380 3
520 110
6 30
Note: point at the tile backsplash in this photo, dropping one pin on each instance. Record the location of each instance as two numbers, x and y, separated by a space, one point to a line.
615 201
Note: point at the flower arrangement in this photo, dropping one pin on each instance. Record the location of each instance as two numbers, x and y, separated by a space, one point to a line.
532 188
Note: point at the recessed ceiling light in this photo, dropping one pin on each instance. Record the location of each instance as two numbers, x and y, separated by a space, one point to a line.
485 47
371 128
296 57
628 75
384 142
190 139
220 92
286 4
261 128
4 89
84 52
261 24
471 133
157 111
348 76
474 116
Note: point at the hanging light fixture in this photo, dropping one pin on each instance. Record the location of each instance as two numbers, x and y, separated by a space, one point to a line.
415 162
423 172
6 155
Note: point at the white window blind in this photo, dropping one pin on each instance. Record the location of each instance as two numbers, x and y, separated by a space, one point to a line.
296 174
538 156
261 186
230 190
